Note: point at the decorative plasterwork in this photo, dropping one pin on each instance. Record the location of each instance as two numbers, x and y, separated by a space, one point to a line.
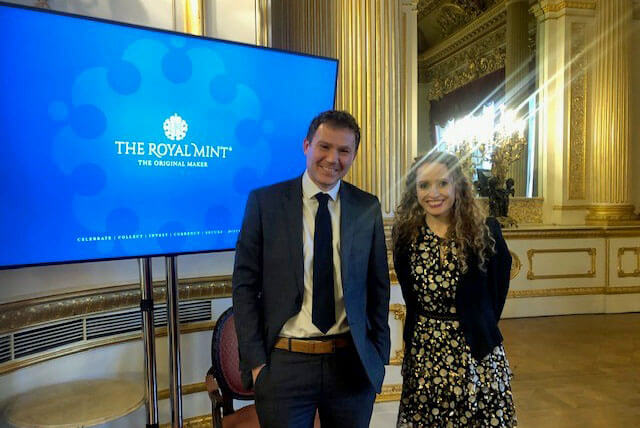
522 210
399 313
486 23
578 118
36 311
455 14
389 393
425 7
621 271
550 6
590 273
516 265
572 291
471 63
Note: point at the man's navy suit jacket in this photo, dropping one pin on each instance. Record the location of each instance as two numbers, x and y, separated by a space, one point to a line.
268 274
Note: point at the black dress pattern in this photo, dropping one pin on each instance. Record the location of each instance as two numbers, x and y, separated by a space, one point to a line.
443 385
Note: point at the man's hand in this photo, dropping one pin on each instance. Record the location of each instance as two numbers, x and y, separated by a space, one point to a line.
255 372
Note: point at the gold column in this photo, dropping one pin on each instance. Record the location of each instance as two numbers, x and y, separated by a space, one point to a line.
610 145
367 37
193 12
517 76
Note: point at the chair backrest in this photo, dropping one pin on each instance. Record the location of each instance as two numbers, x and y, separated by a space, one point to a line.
225 359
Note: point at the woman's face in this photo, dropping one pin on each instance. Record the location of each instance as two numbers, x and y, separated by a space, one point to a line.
435 190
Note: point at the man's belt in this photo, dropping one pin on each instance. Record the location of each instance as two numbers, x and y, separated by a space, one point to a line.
311 346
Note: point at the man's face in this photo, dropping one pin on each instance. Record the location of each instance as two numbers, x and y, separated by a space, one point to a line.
329 155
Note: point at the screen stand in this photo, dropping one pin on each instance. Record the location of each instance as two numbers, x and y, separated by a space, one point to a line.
174 342
149 340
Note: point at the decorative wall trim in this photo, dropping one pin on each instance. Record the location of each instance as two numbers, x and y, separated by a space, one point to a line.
489 21
578 113
636 271
399 313
570 207
572 232
556 292
591 273
516 265
526 210
24 313
573 291
192 388
477 60
389 393
548 7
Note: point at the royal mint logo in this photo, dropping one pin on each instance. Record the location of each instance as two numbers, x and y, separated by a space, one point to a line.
180 154
175 128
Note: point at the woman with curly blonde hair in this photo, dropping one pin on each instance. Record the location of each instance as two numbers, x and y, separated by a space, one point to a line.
453 266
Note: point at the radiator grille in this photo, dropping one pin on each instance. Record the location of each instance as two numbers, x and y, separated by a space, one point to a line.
50 336
5 348
33 341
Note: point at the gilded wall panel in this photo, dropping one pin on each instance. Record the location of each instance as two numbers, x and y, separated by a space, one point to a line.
589 270
628 262
578 119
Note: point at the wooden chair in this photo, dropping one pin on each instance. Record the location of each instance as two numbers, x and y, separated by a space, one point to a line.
223 379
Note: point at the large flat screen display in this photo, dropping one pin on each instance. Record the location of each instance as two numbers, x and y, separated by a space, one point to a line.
121 141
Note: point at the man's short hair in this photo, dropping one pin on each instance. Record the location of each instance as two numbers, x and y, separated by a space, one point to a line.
336 119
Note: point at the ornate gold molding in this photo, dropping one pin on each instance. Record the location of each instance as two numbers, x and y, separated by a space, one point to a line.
11 366
192 388
570 207
580 232
25 313
193 17
556 292
636 271
526 210
399 313
548 7
263 22
485 24
612 214
591 273
634 289
578 108
516 265
522 210
479 59
573 291
389 393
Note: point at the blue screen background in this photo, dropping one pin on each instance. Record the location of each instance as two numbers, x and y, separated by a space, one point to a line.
71 88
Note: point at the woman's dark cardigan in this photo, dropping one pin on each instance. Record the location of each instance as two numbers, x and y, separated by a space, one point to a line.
480 295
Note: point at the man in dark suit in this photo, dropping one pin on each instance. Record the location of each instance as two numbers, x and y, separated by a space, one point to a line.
311 289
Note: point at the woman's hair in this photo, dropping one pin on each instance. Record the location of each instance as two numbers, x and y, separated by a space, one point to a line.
468 227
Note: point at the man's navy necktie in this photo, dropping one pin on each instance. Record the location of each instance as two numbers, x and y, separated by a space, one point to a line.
323 311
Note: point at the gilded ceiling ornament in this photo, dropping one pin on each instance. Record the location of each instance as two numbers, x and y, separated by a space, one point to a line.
481 58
